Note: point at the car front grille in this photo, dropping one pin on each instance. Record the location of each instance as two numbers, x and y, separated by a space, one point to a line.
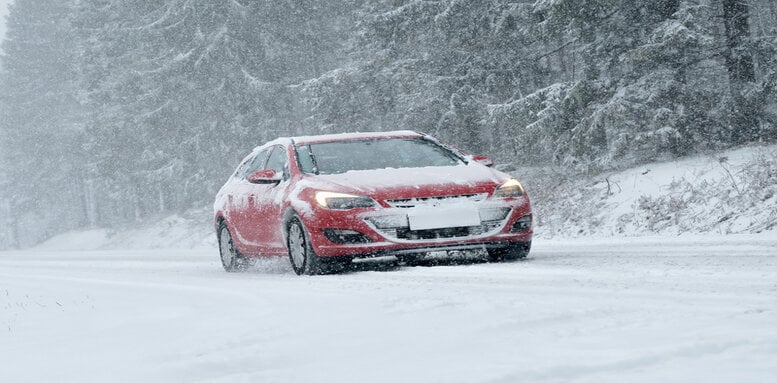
448 232
396 226
404 232
436 201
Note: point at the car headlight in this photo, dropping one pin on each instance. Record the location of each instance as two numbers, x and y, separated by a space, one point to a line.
341 201
511 188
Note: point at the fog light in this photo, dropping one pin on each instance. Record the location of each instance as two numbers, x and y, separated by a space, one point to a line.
389 221
523 223
345 236
494 214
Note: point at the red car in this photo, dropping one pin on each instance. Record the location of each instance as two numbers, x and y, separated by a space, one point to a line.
325 200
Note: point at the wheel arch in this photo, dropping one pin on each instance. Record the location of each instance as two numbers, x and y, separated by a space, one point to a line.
218 220
288 215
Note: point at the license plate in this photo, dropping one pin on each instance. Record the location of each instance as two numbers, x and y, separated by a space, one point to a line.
425 218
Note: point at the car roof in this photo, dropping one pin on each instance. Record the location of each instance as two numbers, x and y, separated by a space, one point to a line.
355 136
304 140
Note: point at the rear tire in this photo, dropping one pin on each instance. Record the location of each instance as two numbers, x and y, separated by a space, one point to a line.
231 259
512 252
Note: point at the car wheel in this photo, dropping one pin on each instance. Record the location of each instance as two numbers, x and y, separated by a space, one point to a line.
510 253
230 257
303 259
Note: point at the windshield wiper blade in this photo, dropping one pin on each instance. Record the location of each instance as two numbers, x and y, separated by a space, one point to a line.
313 160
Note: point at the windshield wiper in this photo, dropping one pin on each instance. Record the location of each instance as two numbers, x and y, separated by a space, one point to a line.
313 160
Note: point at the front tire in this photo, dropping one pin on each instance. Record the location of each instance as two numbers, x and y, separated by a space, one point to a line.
512 252
302 257
231 259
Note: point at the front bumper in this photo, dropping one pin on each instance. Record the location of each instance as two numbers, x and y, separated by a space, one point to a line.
383 231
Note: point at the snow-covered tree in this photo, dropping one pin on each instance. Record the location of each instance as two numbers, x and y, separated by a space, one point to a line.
146 106
41 128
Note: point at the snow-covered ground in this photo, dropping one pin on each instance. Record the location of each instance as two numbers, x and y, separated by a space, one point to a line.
650 309
616 303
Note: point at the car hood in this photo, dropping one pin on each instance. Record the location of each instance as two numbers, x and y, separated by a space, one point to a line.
386 184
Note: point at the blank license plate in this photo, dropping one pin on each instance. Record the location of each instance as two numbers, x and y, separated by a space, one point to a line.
437 218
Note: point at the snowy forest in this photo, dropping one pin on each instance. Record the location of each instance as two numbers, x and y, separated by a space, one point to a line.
119 111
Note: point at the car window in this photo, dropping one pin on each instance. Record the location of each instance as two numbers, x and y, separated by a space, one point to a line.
242 168
257 163
277 160
342 156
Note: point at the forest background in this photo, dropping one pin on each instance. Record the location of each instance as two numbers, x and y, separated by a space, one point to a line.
121 111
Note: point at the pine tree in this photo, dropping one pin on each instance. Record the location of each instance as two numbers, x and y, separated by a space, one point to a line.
181 89
42 124
175 88
135 108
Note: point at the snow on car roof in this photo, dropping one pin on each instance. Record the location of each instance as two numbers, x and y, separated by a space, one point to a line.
354 136
303 140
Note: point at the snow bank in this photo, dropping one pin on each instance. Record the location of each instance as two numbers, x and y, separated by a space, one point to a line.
726 193
192 230
76 240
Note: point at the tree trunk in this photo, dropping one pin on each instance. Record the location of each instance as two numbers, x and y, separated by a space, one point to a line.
562 59
90 203
13 227
741 71
739 61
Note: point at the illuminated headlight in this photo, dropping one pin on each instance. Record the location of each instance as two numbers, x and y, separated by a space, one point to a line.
511 188
341 201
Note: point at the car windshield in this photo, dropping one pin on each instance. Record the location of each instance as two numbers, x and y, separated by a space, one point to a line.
342 156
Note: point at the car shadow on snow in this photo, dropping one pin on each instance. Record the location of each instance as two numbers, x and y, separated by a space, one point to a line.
280 265
437 259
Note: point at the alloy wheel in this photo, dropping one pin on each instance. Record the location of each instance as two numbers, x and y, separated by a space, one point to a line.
227 250
297 247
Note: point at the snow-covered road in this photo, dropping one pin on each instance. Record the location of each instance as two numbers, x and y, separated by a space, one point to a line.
628 310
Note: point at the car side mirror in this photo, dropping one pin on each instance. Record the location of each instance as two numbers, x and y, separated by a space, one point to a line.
484 160
265 176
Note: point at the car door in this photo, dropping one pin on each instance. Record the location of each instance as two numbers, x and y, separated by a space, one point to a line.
241 201
266 201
